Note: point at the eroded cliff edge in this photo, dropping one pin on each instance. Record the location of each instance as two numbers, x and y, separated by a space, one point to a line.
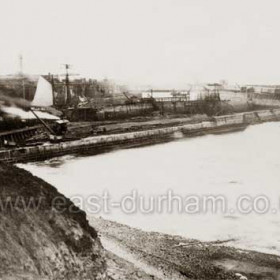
42 234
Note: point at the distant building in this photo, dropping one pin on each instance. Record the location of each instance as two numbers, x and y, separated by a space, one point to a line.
166 93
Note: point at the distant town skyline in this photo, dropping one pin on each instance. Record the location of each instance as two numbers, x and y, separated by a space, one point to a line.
144 42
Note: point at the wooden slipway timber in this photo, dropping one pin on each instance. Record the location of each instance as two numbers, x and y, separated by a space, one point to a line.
98 143
18 135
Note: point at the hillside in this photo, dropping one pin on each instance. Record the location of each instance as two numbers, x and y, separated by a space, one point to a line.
42 234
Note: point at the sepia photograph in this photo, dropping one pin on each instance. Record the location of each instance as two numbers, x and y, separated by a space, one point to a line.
139 140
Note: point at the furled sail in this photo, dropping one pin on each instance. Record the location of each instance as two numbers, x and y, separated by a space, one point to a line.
44 94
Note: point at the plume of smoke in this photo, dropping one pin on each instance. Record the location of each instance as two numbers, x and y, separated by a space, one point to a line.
20 108
14 102
14 112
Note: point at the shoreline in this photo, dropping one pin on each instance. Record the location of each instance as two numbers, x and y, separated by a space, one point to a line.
99 144
135 254
175 257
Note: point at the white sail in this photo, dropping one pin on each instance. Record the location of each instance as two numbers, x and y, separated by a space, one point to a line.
43 95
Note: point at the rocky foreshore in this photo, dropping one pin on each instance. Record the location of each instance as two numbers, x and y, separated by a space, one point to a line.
44 236
162 256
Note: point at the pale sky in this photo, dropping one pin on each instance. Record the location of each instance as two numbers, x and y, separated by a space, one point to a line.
156 42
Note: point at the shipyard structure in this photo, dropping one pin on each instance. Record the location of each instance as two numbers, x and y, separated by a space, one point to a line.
66 110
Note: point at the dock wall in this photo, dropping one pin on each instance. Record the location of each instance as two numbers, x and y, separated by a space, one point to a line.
90 144
266 102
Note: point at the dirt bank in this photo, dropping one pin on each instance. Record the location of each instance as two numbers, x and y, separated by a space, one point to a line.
174 257
42 234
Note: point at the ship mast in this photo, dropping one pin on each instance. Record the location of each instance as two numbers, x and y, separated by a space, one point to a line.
67 84
52 83
21 74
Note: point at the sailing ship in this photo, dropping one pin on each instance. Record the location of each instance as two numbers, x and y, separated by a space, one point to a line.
44 95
